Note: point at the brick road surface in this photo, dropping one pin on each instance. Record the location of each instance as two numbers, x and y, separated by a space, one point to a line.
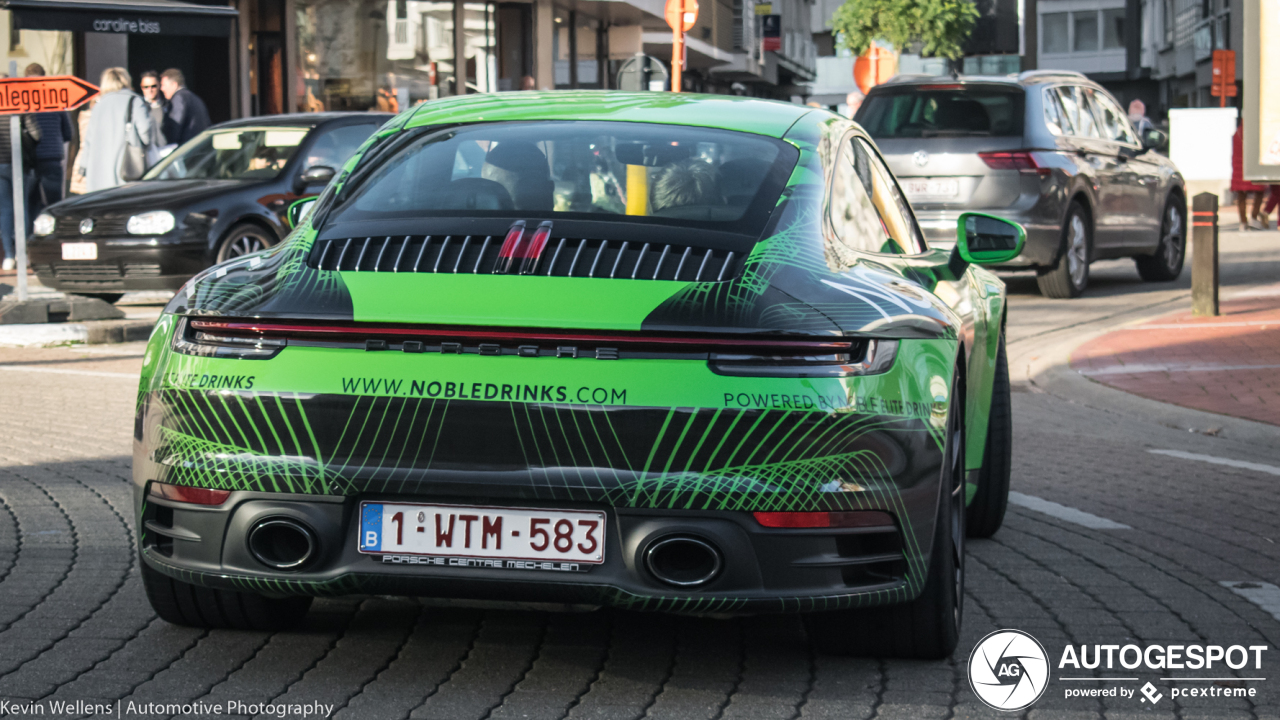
74 623
1229 364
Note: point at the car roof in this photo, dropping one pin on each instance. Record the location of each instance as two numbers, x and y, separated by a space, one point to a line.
1023 79
312 119
727 112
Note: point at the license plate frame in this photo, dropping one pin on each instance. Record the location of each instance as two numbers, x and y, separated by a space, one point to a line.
424 527
80 251
931 188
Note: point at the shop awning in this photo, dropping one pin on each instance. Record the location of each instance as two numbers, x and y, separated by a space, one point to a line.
164 18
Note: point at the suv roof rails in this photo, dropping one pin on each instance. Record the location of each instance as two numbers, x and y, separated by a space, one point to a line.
1028 74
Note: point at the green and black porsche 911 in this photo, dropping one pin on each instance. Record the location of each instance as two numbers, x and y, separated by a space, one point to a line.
650 351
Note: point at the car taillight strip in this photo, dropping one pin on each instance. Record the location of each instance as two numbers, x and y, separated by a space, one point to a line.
570 257
361 331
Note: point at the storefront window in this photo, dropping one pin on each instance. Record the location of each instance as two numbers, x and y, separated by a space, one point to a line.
580 55
389 54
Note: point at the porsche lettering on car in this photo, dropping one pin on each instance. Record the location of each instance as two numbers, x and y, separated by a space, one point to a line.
659 352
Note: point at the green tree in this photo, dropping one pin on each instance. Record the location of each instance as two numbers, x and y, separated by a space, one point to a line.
939 26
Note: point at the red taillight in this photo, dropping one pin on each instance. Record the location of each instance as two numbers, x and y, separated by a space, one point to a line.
510 248
193 495
533 250
1012 160
844 519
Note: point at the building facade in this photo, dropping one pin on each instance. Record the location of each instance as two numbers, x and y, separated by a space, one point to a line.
261 57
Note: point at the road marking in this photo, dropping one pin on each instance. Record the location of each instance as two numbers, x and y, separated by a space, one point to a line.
1264 291
1257 467
1185 326
58 371
1138 368
1264 595
1062 512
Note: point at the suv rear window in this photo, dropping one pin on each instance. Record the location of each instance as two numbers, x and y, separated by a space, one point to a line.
662 174
952 110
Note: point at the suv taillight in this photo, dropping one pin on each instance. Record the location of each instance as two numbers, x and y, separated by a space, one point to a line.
1012 160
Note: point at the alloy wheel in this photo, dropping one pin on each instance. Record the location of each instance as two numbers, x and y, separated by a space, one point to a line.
1170 243
1077 250
243 243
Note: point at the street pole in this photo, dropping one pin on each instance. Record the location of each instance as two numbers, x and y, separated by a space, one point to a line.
19 195
1204 258
677 57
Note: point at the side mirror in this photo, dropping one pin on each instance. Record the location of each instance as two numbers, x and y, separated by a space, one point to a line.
1153 140
314 175
984 239
299 211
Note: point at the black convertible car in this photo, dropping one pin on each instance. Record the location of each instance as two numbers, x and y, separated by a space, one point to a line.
222 194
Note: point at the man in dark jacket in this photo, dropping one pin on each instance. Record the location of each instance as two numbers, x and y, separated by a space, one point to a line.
186 114
55 132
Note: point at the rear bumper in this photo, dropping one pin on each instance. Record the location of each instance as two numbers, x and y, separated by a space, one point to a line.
122 265
764 569
666 448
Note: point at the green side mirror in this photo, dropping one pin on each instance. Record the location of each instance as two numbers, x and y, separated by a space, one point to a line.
984 239
299 210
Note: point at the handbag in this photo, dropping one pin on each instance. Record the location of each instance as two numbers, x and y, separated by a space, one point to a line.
133 158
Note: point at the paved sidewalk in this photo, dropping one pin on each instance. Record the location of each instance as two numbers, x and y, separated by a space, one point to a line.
1229 364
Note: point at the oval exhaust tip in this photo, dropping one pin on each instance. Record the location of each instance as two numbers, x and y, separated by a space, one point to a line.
683 561
282 543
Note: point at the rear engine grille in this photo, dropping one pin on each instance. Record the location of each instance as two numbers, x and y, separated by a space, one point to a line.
563 257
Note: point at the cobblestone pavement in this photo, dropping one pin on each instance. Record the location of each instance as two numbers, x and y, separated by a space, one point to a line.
1229 364
74 624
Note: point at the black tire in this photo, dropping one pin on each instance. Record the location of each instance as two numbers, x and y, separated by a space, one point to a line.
182 603
1165 264
986 512
927 628
243 239
1070 277
108 298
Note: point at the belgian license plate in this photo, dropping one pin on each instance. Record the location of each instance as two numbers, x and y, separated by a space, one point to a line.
454 531
931 188
79 251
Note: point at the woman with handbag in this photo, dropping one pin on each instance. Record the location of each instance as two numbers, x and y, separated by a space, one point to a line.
115 147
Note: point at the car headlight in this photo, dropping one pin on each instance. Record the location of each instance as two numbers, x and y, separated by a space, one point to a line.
44 224
156 222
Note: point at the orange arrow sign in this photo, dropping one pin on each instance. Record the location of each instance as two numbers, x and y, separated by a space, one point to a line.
44 94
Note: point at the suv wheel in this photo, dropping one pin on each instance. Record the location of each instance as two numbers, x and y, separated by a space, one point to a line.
1071 275
1165 264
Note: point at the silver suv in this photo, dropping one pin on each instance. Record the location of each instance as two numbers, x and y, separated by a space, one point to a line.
1048 149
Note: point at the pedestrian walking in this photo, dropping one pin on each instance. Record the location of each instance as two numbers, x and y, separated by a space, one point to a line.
1241 187
1273 200
119 127
186 116
51 153
1138 116
159 147
30 138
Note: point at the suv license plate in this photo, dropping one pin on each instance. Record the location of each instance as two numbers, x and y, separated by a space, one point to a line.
482 532
931 188
79 251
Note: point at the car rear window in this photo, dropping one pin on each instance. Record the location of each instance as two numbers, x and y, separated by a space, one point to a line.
663 174
923 111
